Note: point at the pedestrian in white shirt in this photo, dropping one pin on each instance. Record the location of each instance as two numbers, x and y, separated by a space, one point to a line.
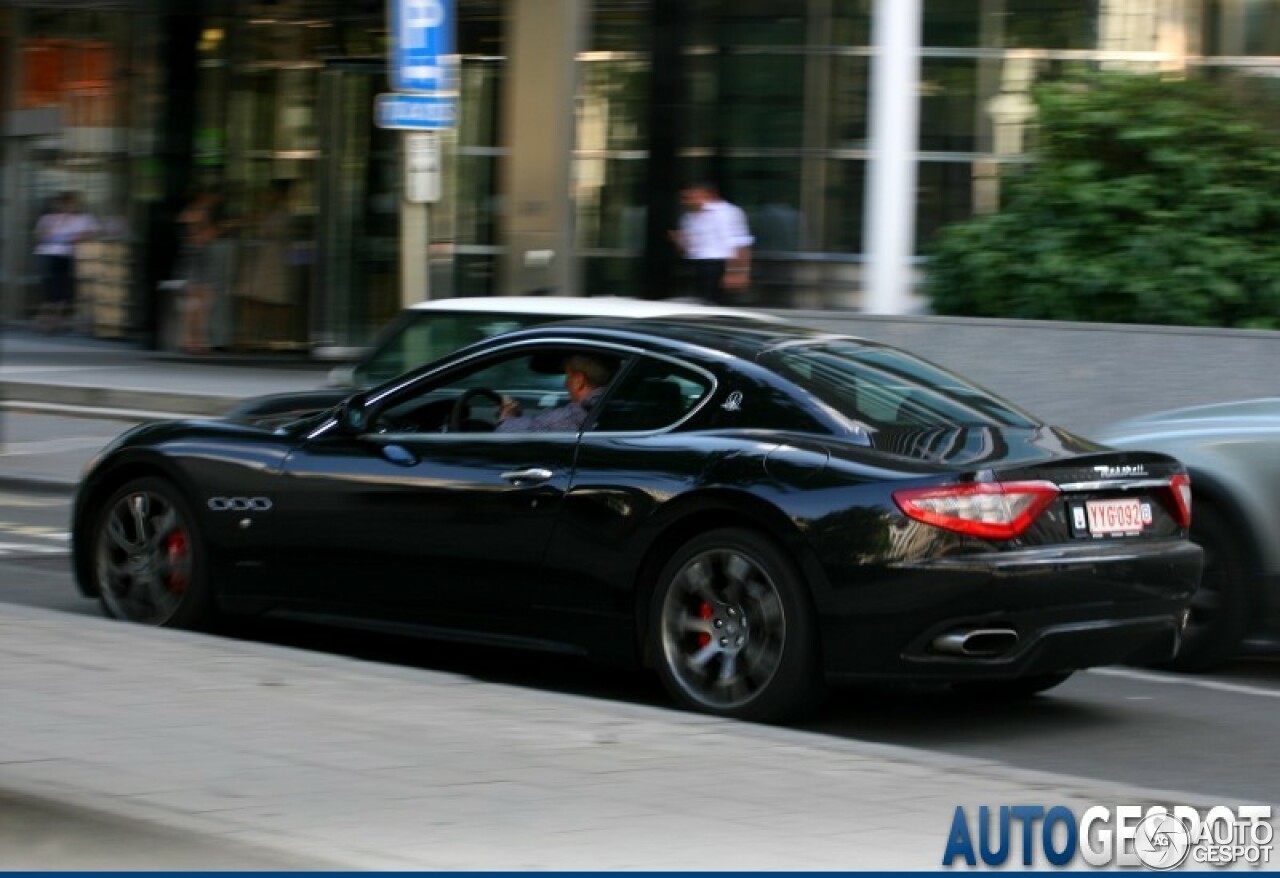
715 238
57 232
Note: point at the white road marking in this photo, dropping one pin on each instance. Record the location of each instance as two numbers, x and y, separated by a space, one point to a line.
36 370
33 530
1215 685
31 501
31 549
32 539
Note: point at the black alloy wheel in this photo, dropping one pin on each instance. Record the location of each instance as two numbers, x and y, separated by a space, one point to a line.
732 631
1220 606
148 558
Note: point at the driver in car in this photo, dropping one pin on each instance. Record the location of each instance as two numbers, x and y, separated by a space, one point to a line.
585 377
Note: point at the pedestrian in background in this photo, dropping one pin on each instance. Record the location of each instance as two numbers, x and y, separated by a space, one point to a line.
202 224
265 292
57 233
716 240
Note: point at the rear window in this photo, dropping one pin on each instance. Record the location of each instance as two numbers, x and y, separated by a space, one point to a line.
421 337
653 395
887 389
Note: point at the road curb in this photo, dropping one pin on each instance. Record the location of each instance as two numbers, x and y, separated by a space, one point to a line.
107 398
94 413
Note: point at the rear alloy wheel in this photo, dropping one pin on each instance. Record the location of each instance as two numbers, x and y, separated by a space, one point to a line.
1220 606
147 558
733 631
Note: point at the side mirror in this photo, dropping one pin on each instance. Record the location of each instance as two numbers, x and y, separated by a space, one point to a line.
342 376
353 416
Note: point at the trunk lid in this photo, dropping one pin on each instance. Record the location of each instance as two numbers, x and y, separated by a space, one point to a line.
1105 496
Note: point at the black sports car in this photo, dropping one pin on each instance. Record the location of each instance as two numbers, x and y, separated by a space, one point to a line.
749 509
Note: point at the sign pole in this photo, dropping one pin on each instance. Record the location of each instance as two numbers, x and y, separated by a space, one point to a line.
422 183
424 102
415 239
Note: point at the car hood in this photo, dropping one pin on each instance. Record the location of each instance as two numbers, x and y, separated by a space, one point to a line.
282 407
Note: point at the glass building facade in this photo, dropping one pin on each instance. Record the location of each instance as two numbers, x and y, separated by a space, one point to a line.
133 103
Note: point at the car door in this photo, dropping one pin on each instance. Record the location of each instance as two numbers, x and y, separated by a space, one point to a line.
630 462
427 517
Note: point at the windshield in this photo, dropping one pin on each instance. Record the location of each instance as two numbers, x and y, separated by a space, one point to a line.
421 337
887 389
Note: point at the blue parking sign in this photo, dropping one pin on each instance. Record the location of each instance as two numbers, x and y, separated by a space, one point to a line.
415 112
421 43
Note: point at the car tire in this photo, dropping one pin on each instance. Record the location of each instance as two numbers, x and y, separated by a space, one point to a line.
1018 689
733 631
1220 606
149 561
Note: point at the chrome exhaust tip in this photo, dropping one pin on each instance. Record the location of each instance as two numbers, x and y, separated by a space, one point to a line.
976 642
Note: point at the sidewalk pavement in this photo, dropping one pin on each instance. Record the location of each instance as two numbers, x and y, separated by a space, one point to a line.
115 385
308 760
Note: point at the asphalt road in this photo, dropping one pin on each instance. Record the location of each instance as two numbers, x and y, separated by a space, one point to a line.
1212 735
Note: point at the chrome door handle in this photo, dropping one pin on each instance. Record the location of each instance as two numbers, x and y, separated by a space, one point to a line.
533 474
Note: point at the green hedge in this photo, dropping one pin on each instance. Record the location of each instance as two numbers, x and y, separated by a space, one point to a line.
1147 200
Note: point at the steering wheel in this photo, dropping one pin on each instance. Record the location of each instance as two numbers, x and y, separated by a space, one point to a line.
462 406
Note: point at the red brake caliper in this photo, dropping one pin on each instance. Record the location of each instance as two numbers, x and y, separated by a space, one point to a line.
176 545
705 612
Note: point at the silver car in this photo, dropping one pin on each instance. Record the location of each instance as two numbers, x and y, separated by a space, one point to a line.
1232 451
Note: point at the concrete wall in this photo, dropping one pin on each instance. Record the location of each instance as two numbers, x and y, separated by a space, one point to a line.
1081 375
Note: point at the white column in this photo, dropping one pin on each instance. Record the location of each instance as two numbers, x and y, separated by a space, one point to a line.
890 211
544 38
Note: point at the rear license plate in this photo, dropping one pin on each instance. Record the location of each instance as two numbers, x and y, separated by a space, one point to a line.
1112 517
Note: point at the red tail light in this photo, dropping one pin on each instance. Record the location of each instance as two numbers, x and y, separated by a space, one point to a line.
1180 487
990 510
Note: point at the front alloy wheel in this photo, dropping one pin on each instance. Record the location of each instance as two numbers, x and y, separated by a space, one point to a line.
146 557
734 631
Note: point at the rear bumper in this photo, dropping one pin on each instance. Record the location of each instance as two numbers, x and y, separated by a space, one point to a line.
1082 607
1048 649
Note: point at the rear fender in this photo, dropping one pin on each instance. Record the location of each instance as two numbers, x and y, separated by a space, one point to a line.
706 510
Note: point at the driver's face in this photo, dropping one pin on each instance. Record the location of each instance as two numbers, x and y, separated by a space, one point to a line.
576 383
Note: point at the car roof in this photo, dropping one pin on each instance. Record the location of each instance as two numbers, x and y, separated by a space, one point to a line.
739 338
584 306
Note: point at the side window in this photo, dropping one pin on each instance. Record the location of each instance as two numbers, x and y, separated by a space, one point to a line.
466 400
652 395
524 376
